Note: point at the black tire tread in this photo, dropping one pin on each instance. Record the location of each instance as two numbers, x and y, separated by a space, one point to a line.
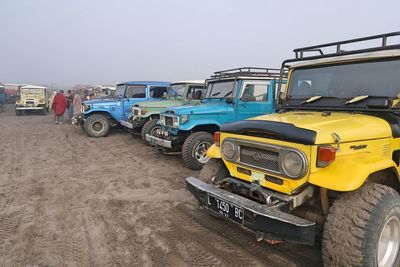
347 228
146 128
186 152
214 167
97 117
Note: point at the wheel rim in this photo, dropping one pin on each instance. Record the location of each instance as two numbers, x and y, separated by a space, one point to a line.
152 131
97 126
389 243
200 152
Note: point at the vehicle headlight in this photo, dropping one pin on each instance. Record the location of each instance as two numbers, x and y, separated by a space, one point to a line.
184 118
176 122
162 120
229 150
293 164
136 111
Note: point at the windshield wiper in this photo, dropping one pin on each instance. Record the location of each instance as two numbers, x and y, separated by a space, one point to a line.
312 99
228 94
356 99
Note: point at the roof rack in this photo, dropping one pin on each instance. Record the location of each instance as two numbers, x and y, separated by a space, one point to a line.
337 46
246 71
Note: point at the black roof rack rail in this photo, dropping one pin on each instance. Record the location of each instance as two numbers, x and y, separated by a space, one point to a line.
246 71
338 47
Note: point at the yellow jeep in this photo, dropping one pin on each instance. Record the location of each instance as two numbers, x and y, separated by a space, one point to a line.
327 162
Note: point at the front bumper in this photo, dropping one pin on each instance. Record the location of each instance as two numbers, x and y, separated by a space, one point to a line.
126 124
155 141
29 108
269 222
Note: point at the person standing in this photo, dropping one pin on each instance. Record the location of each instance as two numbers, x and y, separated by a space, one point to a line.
76 104
59 107
70 99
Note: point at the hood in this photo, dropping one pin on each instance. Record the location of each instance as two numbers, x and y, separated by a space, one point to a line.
349 127
160 104
208 108
101 102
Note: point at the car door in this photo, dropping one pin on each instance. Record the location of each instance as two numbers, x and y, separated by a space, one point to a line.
256 98
133 94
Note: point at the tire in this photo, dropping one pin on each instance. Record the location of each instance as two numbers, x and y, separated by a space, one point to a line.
354 225
97 125
194 149
213 171
148 128
44 112
18 112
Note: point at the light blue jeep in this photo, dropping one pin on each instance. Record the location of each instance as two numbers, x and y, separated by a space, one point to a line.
231 95
99 115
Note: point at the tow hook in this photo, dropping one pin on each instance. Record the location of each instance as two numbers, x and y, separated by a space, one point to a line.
260 237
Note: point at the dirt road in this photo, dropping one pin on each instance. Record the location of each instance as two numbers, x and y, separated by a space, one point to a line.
70 200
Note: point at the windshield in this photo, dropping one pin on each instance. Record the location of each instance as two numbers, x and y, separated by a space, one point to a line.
379 78
32 91
120 90
176 90
221 89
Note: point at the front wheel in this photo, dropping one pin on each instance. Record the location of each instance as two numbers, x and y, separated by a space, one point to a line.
18 112
194 150
363 228
150 127
97 125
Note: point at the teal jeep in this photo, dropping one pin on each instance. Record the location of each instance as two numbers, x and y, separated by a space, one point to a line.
145 115
231 95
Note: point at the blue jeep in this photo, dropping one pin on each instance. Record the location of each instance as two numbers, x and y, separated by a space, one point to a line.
99 115
3 97
231 95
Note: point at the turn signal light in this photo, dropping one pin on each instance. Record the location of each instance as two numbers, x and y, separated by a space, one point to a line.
216 138
143 111
326 155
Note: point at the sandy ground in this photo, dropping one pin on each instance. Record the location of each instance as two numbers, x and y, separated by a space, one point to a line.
70 200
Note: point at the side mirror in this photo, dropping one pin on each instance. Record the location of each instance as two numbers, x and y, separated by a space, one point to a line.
283 96
229 100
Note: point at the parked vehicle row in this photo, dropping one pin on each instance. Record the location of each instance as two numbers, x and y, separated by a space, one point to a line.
311 149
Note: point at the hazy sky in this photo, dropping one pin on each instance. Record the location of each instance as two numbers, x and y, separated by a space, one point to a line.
108 41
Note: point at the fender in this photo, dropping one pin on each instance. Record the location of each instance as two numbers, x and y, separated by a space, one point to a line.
190 125
214 152
99 110
349 172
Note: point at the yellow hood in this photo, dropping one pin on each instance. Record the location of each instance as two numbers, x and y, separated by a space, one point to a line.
349 127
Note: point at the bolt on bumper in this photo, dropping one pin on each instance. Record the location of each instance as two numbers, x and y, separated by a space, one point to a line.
260 219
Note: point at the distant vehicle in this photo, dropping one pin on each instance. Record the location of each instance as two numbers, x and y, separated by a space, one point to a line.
99 115
145 115
32 98
3 98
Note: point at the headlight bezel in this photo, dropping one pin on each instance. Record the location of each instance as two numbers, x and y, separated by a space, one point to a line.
233 146
283 157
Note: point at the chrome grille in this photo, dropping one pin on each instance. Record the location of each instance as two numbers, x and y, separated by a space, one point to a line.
30 102
264 159
169 121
